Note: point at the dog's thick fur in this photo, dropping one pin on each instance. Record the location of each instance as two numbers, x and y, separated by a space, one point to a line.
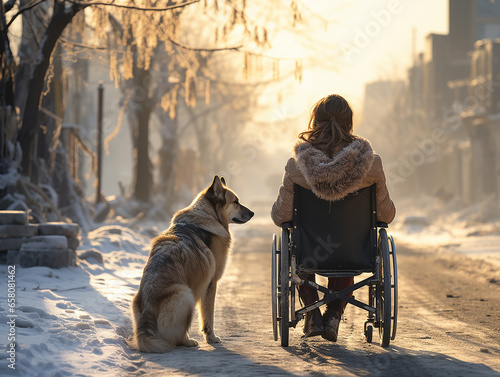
183 268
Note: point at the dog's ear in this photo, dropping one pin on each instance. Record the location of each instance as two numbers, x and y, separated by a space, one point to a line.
216 189
223 181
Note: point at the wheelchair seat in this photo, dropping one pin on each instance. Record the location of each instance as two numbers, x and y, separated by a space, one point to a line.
335 238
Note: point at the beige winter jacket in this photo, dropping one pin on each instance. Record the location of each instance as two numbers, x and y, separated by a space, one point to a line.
352 167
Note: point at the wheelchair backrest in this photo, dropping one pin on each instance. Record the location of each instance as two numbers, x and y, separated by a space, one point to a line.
339 235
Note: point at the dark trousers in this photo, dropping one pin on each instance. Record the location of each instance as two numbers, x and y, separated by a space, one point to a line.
309 295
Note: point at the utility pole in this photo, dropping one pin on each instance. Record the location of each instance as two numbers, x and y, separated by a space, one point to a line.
100 91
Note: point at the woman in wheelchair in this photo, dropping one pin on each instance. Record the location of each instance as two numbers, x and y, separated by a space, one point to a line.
332 162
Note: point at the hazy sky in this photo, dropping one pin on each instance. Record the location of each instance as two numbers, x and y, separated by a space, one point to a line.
384 53
366 40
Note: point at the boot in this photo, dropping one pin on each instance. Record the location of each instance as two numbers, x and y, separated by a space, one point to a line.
335 309
314 324
331 322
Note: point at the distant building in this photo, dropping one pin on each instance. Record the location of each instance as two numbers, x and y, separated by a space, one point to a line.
448 113
445 57
481 118
379 100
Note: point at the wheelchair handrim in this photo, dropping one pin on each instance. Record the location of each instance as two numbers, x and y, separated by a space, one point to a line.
274 288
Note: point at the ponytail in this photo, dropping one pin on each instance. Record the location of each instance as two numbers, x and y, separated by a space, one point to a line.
330 124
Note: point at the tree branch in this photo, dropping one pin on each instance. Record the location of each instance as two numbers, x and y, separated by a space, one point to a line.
28 6
154 9
9 5
83 45
235 48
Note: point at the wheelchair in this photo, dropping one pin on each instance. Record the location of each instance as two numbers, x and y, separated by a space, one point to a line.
335 239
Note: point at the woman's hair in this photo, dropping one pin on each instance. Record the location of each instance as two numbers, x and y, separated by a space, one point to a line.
330 124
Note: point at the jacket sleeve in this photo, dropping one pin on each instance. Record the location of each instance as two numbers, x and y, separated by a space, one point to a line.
386 210
282 210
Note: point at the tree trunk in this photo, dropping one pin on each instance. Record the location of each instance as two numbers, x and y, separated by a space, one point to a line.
140 114
7 113
34 23
7 64
60 19
143 182
167 158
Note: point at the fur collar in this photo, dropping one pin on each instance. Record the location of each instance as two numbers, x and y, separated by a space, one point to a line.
334 178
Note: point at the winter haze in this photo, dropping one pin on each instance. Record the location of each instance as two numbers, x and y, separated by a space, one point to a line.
116 114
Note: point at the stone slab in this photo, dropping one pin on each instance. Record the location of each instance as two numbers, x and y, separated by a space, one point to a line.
11 243
13 217
73 243
18 231
12 257
40 243
60 229
47 258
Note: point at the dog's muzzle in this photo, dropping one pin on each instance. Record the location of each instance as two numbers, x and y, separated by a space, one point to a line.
243 217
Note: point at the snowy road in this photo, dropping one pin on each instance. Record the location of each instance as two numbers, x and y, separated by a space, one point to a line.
428 343
446 328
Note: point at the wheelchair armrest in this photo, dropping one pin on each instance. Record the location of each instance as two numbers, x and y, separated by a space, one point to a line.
287 225
381 224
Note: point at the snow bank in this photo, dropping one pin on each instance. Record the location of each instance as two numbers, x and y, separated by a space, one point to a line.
74 321
429 223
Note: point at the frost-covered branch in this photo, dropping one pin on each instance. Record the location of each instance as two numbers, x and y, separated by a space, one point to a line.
28 6
83 45
9 5
133 7
234 48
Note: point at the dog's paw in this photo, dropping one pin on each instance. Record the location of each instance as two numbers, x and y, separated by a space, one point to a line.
212 338
190 343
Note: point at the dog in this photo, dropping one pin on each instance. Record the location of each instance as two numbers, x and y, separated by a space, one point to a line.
184 265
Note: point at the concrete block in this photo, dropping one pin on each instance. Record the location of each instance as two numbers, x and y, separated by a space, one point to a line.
18 231
13 217
59 229
71 258
73 243
12 257
10 243
47 258
40 243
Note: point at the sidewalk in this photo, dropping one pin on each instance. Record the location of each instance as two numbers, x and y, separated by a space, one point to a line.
430 224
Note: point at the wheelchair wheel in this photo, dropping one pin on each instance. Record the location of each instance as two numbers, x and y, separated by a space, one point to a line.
372 299
394 286
384 290
284 285
274 286
369 333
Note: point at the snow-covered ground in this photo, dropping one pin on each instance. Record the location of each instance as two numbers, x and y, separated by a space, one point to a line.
433 225
74 321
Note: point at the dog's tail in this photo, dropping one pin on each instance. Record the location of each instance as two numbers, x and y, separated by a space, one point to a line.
163 332
145 339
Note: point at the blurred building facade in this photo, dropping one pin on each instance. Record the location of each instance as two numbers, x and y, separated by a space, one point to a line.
448 115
